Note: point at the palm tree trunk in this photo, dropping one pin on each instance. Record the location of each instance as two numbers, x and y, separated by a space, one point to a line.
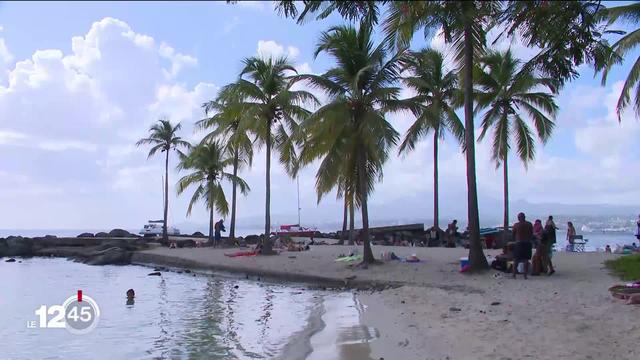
232 227
505 223
211 226
165 237
367 254
352 220
343 234
477 260
266 245
435 181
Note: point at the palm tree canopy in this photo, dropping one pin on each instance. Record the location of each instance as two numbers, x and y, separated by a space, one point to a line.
405 18
508 91
626 13
367 11
206 163
229 122
362 90
437 92
568 33
163 138
264 95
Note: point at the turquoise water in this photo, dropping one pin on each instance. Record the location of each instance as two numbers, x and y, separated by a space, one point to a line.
175 316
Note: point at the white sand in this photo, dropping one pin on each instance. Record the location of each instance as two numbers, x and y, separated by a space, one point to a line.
569 315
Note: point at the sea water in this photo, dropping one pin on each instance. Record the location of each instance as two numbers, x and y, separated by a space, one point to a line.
174 316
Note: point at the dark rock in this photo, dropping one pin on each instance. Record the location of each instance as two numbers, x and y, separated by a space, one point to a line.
198 234
85 235
17 246
495 303
235 287
157 273
120 233
252 239
188 271
111 256
454 309
10 260
186 243
102 234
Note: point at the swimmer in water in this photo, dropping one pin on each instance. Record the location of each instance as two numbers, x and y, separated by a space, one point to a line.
130 297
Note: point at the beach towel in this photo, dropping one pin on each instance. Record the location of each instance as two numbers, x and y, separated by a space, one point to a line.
242 253
349 258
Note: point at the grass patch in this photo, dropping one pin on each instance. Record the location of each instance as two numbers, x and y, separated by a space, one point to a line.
627 267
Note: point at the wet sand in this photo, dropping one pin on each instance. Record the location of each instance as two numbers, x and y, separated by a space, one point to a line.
442 314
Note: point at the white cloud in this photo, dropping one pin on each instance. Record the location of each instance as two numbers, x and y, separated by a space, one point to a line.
178 60
270 48
67 145
11 137
256 5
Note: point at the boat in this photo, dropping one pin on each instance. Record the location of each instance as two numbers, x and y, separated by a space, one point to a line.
154 228
294 230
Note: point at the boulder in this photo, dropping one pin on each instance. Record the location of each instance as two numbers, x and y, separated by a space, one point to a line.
10 260
102 234
120 233
111 256
18 246
154 274
186 243
252 239
198 234
85 235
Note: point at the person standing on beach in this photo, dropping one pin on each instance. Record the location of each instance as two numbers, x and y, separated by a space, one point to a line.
218 227
571 233
537 231
549 240
523 234
452 231
638 228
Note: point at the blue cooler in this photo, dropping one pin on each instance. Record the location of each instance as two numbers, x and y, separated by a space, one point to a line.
464 261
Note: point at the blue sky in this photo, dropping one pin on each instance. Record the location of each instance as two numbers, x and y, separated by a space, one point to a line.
80 82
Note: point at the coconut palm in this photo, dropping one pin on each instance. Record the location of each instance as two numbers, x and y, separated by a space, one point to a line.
464 25
350 133
163 137
510 93
364 11
207 162
269 103
437 91
628 13
225 122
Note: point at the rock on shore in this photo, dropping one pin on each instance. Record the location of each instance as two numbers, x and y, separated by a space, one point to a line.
115 250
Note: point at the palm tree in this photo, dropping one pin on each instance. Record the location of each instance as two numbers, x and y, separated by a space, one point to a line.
464 25
350 133
226 123
622 47
437 91
364 11
508 90
267 100
207 162
163 137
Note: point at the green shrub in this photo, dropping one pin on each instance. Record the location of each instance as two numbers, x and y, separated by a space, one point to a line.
627 267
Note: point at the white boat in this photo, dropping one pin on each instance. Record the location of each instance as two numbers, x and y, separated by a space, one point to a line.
154 228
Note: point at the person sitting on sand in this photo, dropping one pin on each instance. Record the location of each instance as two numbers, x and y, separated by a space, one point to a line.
501 261
522 233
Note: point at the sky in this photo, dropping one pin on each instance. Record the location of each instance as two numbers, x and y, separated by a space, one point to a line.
80 83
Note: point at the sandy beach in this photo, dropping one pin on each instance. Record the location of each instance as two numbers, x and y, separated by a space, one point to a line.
439 313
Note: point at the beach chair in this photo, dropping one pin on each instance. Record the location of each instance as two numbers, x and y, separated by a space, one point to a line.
579 243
